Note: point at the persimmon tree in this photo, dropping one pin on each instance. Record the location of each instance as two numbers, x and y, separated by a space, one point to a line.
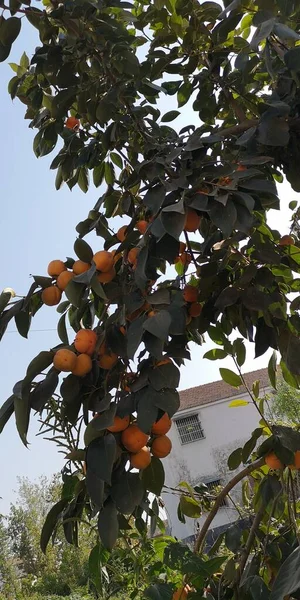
196 255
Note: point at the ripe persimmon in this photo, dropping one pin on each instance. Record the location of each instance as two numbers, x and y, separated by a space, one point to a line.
121 233
85 341
103 260
102 350
192 221
223 181
108 361
119 424
64 360
161 446
273 462
286 240
296 464
190 294
241 167
80 267
83 365
116 255
195 309
72 123
142 226
141 459
182 593
162 426
164 361
133 438
63 279
51 295
107 277
132 255
56 267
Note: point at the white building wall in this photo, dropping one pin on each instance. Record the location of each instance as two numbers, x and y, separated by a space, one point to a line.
225 428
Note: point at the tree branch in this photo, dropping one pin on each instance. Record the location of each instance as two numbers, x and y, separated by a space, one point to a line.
231 484
244 556
237 129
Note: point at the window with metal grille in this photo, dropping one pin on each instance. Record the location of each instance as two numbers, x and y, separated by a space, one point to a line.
212 485
189 429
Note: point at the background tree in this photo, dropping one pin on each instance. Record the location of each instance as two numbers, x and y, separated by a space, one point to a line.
286 404
25 569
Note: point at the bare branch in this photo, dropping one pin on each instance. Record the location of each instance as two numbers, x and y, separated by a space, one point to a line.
231 484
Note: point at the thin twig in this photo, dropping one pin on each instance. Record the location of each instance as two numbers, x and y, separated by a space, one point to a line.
221 497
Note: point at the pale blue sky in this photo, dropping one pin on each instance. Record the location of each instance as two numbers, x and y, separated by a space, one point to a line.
38 225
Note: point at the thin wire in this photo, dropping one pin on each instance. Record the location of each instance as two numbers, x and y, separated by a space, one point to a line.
37 330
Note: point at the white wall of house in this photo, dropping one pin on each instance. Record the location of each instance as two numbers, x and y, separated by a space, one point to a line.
225 428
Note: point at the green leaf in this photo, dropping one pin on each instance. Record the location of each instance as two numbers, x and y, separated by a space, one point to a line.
293 204
51 522
62 330
39 364
233 537
109 173
288 578
43 282
236 403
127 492
83 250
116 159
292 59
285 33
43 391
240 351
164 376
170 116
100 457
24 61
159 591
159 325
255 388
22 415
184 93
262 32
215 354
154 197
4 300
167 400
10 30
272 368
98 557
190 507
98 174
228 297
235 459
83 179
97 288
230 377
6 411
153 477
97 426
251 443
4 52
146 410
23 320
74 292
